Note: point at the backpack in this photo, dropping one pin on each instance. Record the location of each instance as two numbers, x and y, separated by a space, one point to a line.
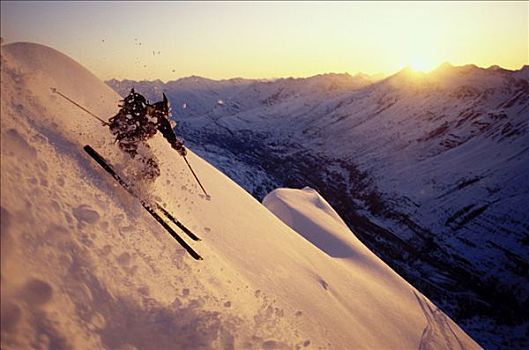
132 122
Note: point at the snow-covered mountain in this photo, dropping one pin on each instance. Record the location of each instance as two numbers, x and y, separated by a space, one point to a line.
196 96
429 170
85 267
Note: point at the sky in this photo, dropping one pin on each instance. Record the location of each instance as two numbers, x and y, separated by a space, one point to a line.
220 40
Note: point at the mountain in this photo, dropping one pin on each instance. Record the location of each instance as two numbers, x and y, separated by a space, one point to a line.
196 96
428 170
84 266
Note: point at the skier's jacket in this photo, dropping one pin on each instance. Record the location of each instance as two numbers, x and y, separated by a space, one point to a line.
137 121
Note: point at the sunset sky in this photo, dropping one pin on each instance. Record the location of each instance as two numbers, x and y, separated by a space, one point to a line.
169 40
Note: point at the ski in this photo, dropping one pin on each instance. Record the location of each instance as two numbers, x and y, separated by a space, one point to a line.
178 223
105 165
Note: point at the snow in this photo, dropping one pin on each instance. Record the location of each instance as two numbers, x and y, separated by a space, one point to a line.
84 266
309 214
306 212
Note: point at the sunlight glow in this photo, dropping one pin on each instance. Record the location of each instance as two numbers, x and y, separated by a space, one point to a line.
420 64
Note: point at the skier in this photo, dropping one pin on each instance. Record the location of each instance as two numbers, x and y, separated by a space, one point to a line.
136 122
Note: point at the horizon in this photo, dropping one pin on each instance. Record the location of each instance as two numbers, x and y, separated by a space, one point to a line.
377 76
268 41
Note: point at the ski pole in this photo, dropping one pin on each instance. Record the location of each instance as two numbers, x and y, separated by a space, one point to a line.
54 90
195 175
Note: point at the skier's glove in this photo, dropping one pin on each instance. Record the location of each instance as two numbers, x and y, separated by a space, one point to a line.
182 151
179 147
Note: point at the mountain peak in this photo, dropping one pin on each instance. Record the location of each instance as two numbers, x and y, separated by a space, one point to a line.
445 66
194 78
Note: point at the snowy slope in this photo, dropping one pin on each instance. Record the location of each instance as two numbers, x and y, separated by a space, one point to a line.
84 267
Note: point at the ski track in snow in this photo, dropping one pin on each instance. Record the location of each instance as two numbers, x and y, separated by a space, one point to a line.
438 333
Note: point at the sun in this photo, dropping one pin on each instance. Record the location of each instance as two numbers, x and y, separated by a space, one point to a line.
422 64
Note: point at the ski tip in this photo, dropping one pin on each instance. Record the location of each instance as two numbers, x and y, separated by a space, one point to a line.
205 196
